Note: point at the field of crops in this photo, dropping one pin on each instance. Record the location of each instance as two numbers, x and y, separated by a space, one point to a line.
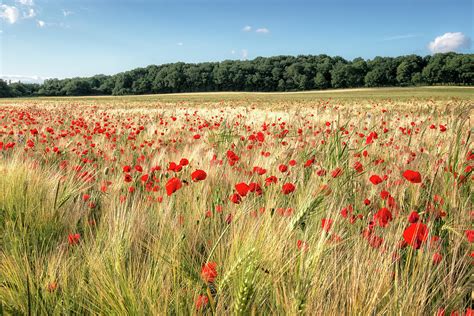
332 203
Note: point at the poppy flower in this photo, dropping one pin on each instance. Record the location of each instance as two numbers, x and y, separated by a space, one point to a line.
336 172
73 239
256 188
183 162
437 257
127 169
358 166
470 235
308 163
202 301
235 198
283 168
412 176
138 168
302 245
326 224
288 188
416 234
375 179
413 217
270 180
128 178
383 217
209 272
173 185
242 188
198 175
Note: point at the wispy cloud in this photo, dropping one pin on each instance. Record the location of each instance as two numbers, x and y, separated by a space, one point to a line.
29 3
67 12
262 30
247 28
22 78
9 13
400 37
180 44
31 13
449 42
245 53
41 23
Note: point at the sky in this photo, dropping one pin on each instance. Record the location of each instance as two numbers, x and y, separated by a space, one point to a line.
69 38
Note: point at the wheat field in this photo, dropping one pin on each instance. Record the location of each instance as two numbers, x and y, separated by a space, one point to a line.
355 203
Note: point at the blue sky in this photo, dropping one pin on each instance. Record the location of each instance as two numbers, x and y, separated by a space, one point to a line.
66 38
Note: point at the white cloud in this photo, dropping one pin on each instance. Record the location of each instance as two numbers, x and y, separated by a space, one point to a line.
41 23
9 13
449 42
67 12
180 44
263 30
247 28
399 37
25 79
232 52
26 2
245 53
29 14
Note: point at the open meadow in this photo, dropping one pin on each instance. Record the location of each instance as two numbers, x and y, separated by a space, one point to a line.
315 203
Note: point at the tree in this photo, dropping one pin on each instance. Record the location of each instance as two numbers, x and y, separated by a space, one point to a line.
279 73
5 90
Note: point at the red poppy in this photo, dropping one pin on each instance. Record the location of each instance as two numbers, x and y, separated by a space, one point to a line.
326 224
184 162
336 172
287 188
202 301
242 188
470 235
283 168
412 176
375 179
416 234
302 245
256 188
198 175
73 239
209 272
383 217
358 166
235 198
138 168
173 185
128 178
413 217
437 257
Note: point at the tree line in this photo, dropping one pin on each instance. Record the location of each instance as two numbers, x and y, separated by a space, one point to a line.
280 73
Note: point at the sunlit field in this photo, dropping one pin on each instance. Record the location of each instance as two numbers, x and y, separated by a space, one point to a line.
332 203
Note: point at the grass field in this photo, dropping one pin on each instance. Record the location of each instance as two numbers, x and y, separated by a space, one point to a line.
337 202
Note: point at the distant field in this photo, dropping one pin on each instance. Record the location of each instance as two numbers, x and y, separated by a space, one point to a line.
429 93
347 202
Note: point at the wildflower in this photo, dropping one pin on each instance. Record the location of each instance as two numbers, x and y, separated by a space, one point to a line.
412 176
198 175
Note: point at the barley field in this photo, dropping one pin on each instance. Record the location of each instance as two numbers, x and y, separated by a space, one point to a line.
336 203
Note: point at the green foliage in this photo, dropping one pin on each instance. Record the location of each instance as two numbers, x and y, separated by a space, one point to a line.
262 74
